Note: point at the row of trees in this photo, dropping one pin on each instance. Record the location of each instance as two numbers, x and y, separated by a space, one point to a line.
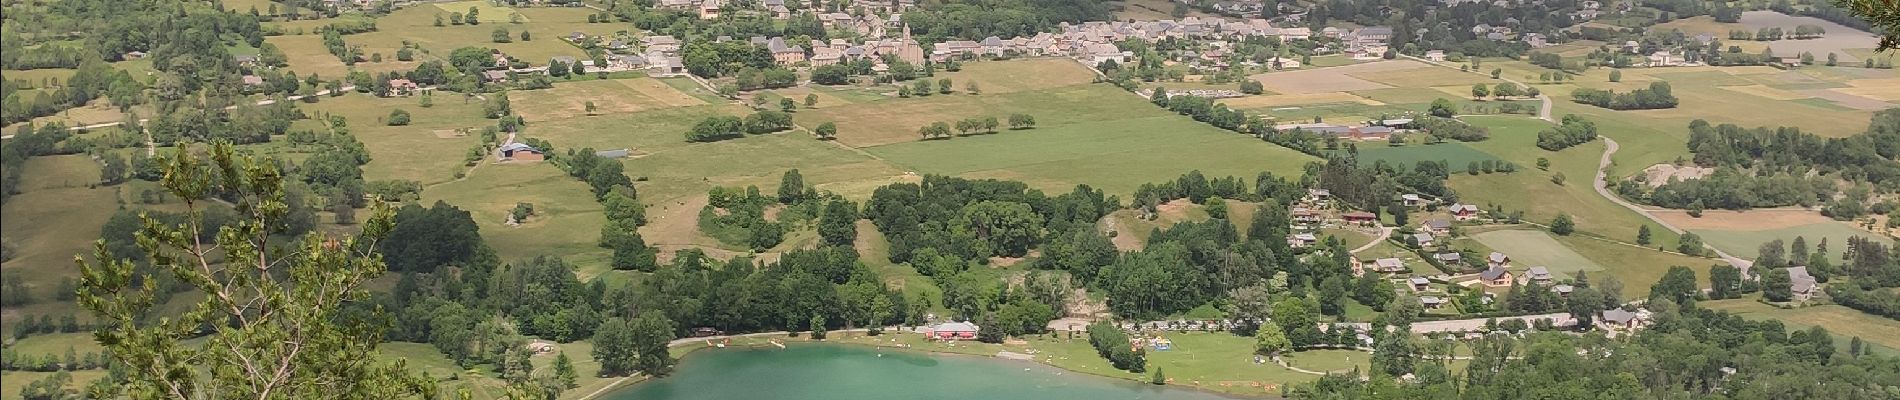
968 126
1656 96
724 127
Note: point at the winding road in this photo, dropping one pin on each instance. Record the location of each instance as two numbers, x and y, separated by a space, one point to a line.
1603 188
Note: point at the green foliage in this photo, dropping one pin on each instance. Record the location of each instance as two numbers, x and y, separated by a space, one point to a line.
398 117
423 239
1112 344
1443 108
1657 96
1573 131
1562 225
299 302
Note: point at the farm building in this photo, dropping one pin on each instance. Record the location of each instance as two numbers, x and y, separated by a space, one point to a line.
519 152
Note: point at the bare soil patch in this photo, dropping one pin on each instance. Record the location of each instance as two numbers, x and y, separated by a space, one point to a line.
1660 174
1751 220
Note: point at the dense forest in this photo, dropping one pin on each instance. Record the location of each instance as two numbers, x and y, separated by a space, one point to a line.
1764 167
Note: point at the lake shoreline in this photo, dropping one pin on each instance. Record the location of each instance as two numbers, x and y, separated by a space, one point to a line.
804 340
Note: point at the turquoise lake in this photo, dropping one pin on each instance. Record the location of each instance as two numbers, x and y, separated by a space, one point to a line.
844 372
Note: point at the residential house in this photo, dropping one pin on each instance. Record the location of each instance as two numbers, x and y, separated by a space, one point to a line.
1801 284
247 60
1435 55
1389 265
1617 319
1360 217
1306 216
665 65
777 9
709 9
1318 194
1495 277
784 54
1497 260
1424 239
401 87
1419 284
1463 211
1451 258
1563 290
1302 240
627 62
1438 226
1432 302
1539 275
252 80
662 44
1411 200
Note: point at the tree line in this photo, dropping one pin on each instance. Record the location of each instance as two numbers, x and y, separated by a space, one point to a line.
724 127
1655 97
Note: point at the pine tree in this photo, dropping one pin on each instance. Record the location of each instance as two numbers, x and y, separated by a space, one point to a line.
293 302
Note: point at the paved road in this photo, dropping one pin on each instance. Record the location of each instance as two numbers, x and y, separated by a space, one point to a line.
1384 232
1603 188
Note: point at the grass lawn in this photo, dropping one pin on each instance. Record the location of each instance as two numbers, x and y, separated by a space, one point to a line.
1456 155
1213 361
874 251
1351 238
691 170
566 222
56 344
1747 244
52 219
426 150
1842 322
1116 144
998 77
1529 248
1638 269
11 382
568 100
1532 191
646 132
